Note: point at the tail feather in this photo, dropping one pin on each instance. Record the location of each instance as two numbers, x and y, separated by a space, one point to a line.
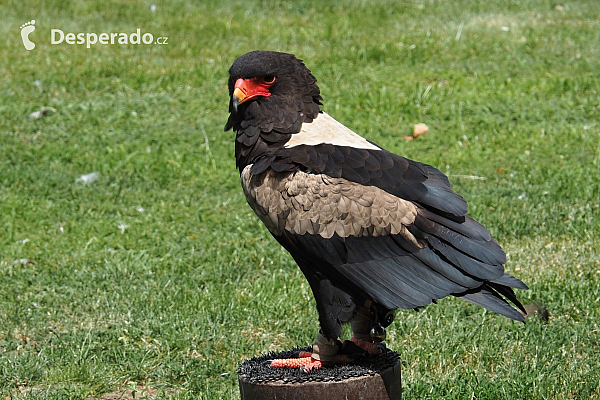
508 293
510 281
489 299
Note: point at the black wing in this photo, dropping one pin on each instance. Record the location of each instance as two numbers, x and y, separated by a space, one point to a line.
372 243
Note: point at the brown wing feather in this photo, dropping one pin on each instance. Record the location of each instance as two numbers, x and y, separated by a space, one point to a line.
302 203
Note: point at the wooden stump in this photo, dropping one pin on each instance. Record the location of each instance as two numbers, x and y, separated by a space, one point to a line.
372 378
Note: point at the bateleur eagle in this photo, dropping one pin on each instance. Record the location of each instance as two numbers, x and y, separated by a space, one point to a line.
371 231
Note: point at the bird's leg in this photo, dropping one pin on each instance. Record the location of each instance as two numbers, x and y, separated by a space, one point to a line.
368 334
325 352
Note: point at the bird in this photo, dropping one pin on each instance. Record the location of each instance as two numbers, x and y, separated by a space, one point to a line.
371 231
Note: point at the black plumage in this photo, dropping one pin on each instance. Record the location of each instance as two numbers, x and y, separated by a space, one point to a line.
368 228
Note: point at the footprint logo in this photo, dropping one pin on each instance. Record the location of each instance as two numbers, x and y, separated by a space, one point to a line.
26 29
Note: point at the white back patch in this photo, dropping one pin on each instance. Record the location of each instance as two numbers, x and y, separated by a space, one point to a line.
325 129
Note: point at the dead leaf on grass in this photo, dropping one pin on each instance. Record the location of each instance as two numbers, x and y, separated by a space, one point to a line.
418 130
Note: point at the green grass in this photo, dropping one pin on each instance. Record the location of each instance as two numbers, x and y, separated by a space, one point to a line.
170 298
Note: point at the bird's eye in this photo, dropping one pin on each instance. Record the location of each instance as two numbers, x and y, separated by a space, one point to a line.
269 79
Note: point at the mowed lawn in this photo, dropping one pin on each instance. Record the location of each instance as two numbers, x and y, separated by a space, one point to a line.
156 279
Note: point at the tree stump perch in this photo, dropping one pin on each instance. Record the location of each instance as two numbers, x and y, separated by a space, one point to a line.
369 378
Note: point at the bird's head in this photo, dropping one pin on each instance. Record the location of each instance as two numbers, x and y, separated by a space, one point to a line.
275 82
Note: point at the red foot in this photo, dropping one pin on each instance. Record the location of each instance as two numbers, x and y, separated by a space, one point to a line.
304 362
369 347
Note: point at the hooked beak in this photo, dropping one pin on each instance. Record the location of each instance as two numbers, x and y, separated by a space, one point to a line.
248 89
238 96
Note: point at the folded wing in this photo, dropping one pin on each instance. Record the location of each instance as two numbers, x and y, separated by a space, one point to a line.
396 251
